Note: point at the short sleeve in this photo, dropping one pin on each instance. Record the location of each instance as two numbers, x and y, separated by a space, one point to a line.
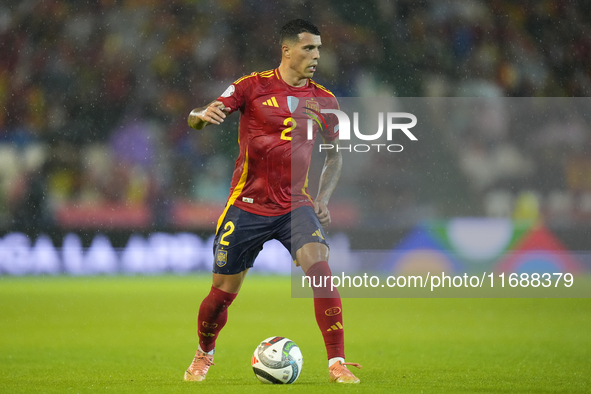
332 131
234 96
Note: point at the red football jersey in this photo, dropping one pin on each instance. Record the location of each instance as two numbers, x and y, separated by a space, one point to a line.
273 134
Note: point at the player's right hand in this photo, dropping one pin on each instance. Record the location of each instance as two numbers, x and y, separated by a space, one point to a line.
214 113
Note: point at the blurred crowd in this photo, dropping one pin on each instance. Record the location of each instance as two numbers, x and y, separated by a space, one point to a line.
94 95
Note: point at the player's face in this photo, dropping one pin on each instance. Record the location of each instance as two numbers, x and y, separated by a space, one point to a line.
305 54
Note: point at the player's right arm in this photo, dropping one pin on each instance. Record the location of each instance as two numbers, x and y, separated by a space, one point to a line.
214 112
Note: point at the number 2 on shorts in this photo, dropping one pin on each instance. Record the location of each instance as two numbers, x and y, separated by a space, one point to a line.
229 227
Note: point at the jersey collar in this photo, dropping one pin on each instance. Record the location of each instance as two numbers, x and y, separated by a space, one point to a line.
278 75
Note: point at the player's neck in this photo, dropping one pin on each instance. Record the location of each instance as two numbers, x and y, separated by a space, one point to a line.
290 77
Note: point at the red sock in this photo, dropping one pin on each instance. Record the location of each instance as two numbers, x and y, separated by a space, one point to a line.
328 310
213 314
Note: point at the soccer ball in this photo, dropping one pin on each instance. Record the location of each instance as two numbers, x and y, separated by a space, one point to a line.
277 360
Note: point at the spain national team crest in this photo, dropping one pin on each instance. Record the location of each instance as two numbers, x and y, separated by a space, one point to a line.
221 258
313 104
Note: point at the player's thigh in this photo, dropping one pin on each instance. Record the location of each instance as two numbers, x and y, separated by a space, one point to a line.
303 229
238 241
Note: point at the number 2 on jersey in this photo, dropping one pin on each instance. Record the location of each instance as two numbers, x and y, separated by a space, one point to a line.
229 227
292 126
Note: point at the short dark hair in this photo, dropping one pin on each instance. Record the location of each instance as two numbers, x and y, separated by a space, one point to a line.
291 29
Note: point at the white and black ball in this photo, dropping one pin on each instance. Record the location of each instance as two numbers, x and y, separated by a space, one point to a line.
277 360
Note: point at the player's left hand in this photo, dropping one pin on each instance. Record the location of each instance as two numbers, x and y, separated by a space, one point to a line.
322 213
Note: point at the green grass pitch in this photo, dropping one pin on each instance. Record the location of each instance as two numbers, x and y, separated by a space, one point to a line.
138 334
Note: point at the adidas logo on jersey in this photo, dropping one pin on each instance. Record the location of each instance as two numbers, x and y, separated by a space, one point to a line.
271 102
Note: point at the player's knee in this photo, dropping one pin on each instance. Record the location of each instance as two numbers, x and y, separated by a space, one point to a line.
228 283
311 253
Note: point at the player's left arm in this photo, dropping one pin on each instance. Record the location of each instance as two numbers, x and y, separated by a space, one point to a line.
328 181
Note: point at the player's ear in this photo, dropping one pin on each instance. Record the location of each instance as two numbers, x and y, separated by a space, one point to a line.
285 50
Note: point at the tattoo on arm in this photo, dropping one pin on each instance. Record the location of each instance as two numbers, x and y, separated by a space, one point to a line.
195 119
330 174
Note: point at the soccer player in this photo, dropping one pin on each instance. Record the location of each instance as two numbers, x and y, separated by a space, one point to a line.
269 197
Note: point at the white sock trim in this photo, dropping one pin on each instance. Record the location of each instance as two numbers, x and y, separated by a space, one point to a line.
334 360
201 350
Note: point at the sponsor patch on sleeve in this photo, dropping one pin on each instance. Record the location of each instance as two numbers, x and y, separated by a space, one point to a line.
228 92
